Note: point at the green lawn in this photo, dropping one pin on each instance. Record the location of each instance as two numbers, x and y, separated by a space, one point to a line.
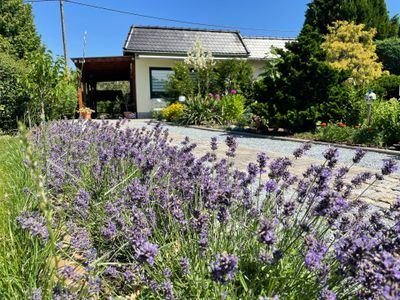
22 260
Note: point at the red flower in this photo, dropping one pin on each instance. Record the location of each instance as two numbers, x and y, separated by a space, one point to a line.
323 124
342 124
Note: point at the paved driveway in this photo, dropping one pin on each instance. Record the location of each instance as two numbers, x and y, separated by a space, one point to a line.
382 193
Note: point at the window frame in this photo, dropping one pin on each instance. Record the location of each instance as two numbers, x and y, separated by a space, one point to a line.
151 69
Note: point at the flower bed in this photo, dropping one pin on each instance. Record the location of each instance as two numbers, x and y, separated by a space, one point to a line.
133 215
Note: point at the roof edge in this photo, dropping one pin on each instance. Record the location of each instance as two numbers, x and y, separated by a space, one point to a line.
185 28
269 38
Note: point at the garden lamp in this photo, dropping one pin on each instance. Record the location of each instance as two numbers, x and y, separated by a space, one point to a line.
370 97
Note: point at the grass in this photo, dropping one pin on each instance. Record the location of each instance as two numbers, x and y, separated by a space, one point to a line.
22 258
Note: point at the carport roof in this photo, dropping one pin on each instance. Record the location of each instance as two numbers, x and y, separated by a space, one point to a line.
98 69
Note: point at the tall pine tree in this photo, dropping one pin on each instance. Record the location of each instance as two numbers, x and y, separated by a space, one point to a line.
372 13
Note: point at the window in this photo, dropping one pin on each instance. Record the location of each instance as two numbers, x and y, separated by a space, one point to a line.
158 79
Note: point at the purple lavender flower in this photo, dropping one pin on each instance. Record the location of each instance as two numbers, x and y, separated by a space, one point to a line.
36 294
331 155
266 233
214 145
271 186
327 295
358 155
109 231
231 142
299 152
112 272
68 272
262 161
185 265
224 268
35 224
389 166
167 272
315 253
361 178
82 199
168 290
146 252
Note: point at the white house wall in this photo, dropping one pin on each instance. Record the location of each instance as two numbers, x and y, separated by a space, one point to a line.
142 71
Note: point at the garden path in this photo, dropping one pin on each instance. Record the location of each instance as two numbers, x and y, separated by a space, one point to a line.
381 194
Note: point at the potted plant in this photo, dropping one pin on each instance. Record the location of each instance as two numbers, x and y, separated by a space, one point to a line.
86 112
125 101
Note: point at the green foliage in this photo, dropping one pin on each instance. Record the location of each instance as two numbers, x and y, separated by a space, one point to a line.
387 87
231 107
173 112
233 74
386 120
11 92
182 82
200 111
297 97
333 133
50 86
108 109
190 79
372 13
389 54
17 27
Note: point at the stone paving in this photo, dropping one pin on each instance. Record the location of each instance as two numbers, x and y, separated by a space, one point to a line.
381 193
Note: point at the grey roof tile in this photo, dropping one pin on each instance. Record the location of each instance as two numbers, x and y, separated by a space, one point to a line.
172 40
260 47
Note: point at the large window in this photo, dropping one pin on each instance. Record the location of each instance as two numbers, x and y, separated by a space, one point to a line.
158 79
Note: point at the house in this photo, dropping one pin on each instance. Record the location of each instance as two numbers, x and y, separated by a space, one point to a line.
149 53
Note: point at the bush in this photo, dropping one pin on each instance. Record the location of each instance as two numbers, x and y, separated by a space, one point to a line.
387 87
137 216
233 74
231 107
389 53
200 111
182 83
386 120
173 112
341 133
12 105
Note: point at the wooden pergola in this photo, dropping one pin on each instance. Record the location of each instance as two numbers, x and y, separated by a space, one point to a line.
104 69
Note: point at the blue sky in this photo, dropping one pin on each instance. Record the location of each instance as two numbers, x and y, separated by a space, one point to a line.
107 31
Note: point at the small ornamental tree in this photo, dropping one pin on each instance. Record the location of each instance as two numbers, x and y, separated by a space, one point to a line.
201 62
350 47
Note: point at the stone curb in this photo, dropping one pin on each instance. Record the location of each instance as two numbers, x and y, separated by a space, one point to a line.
290 139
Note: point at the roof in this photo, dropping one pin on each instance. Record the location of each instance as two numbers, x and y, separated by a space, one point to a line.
97 69
260 47
179 41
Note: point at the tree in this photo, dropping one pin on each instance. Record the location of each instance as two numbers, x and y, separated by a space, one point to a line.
17 27
372 13
296 98
389 54
11 92
350 47
50 86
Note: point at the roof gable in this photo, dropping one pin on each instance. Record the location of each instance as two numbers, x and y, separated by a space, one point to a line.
172 41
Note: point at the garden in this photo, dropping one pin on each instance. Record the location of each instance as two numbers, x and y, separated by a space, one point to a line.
316 88
98 210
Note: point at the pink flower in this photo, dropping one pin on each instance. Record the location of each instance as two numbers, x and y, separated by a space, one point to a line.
210 95
217 97
233 92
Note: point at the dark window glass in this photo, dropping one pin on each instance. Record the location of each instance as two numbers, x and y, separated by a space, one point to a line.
158 80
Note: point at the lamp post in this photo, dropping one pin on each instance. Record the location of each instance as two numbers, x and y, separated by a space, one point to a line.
370 97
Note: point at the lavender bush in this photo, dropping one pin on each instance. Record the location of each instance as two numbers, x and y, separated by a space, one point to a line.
135 216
